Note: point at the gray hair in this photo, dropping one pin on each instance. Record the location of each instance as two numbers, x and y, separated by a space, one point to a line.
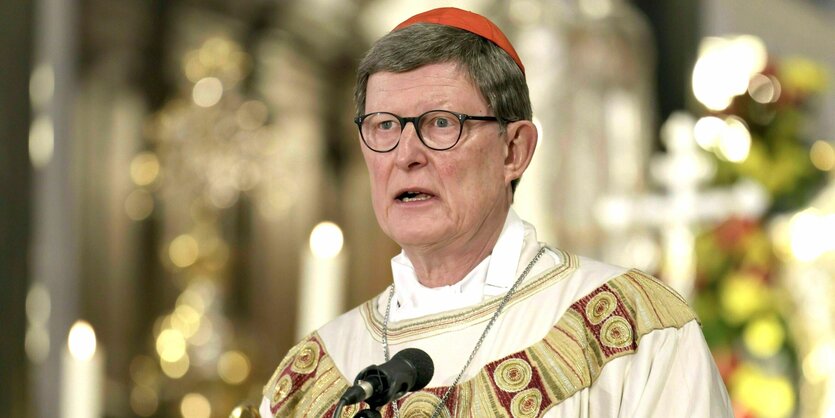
498 78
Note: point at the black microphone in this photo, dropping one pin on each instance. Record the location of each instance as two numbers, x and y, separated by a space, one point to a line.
409 370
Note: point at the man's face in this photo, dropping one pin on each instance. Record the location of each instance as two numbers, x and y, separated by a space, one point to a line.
455 197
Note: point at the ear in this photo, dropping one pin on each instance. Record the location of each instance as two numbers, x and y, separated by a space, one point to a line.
521 142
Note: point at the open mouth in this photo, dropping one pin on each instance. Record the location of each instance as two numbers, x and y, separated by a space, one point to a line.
409 196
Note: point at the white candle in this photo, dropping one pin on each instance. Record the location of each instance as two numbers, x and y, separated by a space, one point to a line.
322 284
82 376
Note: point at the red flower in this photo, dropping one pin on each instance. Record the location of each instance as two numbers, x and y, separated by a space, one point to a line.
729 234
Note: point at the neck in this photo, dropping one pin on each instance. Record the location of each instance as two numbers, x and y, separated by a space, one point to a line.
449 264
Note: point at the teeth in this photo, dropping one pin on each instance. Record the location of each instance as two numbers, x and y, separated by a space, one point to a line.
417 197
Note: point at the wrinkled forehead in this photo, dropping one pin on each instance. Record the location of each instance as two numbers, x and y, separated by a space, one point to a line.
442 84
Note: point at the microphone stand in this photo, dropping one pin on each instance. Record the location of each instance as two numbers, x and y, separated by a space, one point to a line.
409 370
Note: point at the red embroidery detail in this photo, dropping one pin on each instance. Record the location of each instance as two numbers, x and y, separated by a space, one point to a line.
620 310
504 396
297 379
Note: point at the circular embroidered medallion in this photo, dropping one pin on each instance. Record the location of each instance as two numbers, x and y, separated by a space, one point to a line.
616 332
513 375
600 307
422 405
526 403
306 359
282 388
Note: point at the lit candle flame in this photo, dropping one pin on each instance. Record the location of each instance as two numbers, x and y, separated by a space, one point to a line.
82 341
326 240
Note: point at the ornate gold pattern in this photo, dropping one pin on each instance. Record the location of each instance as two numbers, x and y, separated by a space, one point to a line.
303 372
282 389
600 307
307 358
524 384
616 332
422 405
526 403
513 375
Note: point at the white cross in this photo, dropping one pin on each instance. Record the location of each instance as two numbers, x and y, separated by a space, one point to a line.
682 171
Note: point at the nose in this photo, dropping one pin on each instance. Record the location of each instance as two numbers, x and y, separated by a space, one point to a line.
410 152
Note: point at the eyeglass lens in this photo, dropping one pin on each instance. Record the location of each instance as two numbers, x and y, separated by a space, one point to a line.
438 129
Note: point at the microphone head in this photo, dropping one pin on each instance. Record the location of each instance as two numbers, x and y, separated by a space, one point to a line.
422 363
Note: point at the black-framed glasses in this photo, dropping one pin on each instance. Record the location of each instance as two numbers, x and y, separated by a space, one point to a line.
439 130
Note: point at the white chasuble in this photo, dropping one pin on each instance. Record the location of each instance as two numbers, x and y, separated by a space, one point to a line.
578 338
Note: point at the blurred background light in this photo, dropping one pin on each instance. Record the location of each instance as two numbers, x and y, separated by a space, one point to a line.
195 405
764 395
252 115
171 345
36 344
810 234
41 141
724 68
186 320
143 401
233 367
764 337
708 131
734 141
183 250
764 89
597 9
38 304
175 369
192 298
326 240
820 362
82 341
139 205
144 371
822 155
742 295
207 92
144 168
524 11
204 333
41 86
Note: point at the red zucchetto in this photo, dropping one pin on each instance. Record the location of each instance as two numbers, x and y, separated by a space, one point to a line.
468 21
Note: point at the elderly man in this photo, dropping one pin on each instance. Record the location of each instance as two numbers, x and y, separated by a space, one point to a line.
515 327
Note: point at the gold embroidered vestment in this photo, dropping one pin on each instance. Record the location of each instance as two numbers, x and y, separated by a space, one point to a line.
606 324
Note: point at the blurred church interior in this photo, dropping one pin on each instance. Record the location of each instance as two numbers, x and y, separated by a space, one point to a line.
183 194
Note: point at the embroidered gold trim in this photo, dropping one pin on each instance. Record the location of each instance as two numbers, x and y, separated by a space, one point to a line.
459 319
306 383
307 358
616 332
282 389
526 403
513 375
422 405
600 307
594 331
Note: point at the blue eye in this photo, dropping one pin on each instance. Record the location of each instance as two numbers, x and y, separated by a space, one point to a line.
441 122
386 124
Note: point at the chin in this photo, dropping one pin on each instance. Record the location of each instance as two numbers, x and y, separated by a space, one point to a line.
414 235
